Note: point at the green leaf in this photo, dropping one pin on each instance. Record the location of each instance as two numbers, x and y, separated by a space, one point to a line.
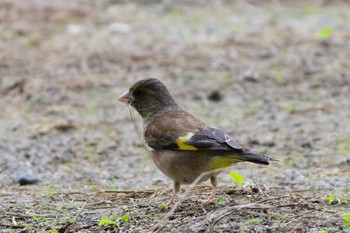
163 206
346 223
325 33
237 178
218 202
125 218
330 198
106 222
344 201
346 218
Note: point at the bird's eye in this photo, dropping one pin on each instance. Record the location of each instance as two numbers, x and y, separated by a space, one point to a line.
138 93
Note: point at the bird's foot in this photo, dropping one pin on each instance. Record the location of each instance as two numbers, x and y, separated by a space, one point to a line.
171 203
207 201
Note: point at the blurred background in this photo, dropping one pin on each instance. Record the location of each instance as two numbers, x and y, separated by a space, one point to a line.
273 74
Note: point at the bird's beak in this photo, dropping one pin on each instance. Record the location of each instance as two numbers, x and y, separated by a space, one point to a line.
124 97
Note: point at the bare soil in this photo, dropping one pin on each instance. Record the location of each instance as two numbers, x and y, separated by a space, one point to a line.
272 74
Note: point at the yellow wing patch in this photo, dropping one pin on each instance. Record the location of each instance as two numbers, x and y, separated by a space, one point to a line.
223 161
181 142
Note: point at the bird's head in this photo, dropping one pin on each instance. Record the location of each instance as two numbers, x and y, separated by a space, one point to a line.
149 97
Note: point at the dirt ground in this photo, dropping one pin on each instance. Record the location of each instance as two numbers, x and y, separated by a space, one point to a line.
273 74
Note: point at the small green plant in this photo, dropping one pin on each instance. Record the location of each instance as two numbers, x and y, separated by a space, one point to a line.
332 200
49 193
91 187
218 202
344 201
346 218
343 147
249 221
106 221
279 78
237 178
114 224
291 108
53 231
125 218
325 33
163 206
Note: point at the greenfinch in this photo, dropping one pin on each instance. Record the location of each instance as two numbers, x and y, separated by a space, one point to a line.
183 147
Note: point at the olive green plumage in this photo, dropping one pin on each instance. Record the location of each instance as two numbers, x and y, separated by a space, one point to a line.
183 146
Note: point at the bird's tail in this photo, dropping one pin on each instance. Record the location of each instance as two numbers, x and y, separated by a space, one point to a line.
226 160
255 157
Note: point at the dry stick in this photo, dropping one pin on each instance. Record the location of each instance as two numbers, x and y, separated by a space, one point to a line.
186 194
67 226
3 169
30 216
129 191
14 220
12 226
255 205
79 213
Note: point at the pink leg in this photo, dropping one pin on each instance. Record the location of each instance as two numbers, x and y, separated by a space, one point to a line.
213 191
176 189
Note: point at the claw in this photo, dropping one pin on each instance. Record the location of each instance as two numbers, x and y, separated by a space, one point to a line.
205 202
213 191
171 202
176 188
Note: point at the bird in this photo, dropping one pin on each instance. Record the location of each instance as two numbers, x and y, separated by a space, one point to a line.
184 147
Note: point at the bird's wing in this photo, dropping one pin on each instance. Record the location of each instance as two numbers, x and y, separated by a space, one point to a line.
178 130
210 138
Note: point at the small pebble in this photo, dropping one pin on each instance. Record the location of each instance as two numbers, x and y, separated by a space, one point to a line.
250 76
215 96
306 145
74 29
119 27
254 189
335 201
26 179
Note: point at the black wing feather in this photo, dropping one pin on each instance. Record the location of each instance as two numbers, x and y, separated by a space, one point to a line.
211 138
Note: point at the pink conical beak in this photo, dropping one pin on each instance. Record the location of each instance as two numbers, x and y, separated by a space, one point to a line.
124 97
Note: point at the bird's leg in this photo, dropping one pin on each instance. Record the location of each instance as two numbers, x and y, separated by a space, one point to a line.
176 188
214 183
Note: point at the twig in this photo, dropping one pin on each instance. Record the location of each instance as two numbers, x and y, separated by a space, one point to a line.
14 220
129 191
255 205
67 226
30 216
12 226
84 227
79 213
3 169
